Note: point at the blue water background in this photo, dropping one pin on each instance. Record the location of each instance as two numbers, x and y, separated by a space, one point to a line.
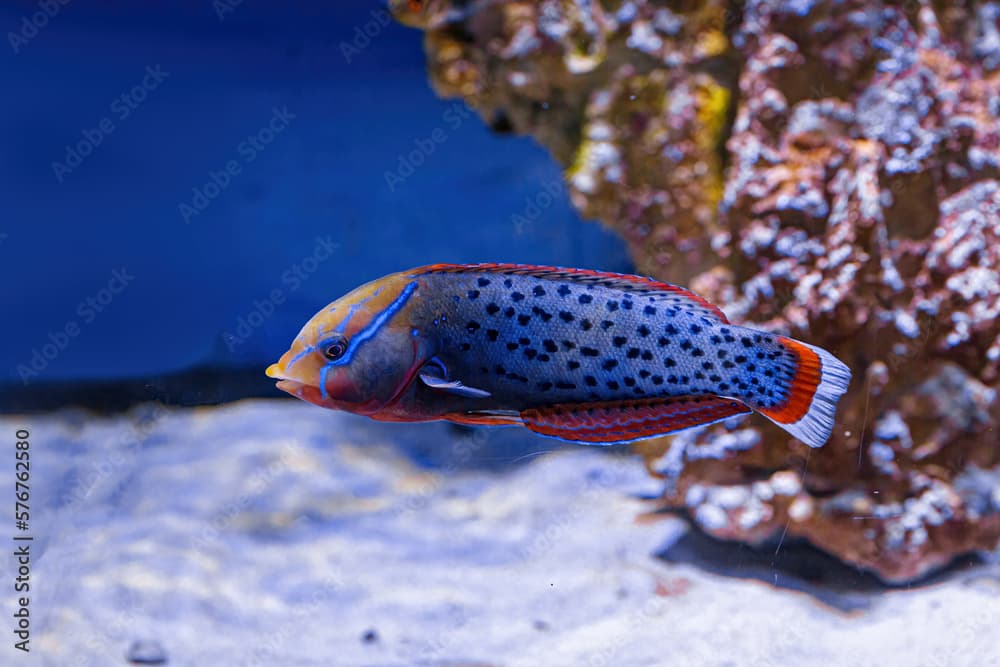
323 176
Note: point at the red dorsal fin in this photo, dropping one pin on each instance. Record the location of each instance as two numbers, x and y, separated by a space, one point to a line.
612 422
622 281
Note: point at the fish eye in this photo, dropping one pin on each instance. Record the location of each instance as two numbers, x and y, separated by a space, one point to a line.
334 348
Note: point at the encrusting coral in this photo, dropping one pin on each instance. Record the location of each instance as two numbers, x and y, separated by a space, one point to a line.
829 169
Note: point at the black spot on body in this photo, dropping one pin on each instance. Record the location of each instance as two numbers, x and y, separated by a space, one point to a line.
643 330
612 306
492 309
585 298
538 290
563 290
509 312
530 352
607 324
619 341
633 353
516 296
611 384
492 334
512 346
649 310
483 282
586 325
550 345
588 352
473 294
472 327
565 385
695 329
629 382
573 365
523 320
647 355
565 316
590 380
609 364
544 386
542 313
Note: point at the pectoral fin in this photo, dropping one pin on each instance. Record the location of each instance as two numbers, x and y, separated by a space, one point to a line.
452 386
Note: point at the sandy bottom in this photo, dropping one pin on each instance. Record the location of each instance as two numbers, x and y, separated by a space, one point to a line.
275 533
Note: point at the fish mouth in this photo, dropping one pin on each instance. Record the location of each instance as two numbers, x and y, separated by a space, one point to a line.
293 387
305 391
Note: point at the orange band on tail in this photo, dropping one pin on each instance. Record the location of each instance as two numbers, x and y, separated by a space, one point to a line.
803 389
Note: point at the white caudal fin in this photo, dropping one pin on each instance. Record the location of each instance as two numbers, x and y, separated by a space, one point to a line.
820 380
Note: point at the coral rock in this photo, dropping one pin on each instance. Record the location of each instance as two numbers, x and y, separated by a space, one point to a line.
827 170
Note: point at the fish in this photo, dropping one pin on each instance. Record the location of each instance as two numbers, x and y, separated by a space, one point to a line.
585 356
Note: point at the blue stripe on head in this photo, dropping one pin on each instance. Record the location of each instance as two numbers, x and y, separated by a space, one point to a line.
322 381
306 350
353 308
376 324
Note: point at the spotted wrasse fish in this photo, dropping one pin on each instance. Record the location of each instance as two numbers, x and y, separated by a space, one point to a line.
579 355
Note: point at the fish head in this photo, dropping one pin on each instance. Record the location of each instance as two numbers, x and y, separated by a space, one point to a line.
357 354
